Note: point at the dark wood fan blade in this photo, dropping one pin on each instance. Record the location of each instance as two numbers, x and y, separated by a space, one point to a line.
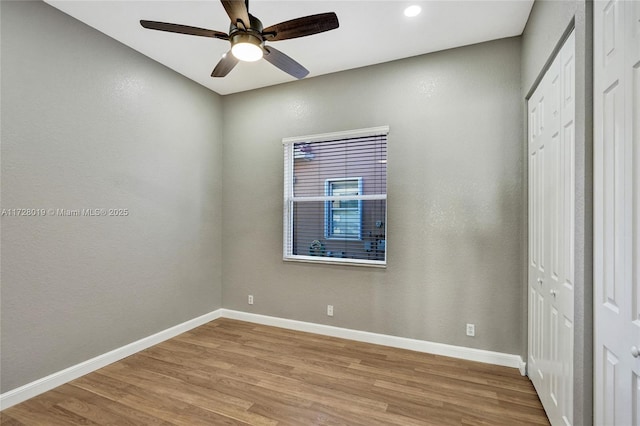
226 64
284 62
237 11
183 29
301 27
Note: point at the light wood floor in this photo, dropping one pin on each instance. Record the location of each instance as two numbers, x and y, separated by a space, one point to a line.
230 372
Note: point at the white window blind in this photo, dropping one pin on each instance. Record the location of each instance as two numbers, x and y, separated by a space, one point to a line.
335 197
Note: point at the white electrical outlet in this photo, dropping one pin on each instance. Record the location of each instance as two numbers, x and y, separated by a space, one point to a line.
250 299
330 310
471 330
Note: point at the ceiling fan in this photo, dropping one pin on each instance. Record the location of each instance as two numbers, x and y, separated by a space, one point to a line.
248 37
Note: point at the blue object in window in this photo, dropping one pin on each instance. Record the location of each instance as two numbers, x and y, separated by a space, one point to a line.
343 217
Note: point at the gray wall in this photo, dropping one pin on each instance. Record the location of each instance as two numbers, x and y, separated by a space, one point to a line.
89 123
454 203
548 21
546 25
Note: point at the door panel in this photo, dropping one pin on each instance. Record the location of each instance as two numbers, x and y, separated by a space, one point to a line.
616 212
551 227
610 382
554 358
567 375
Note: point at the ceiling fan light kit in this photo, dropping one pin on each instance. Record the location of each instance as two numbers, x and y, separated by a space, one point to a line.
247 37
246 47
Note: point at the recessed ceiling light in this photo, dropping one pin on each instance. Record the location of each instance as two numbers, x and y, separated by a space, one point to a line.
412 11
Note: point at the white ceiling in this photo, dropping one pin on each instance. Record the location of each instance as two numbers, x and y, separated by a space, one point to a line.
370 32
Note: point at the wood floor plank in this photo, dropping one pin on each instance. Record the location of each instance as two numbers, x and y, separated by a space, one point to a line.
230 372
207 399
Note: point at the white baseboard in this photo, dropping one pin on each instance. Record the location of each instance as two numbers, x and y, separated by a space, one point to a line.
51 381
523 367
471 354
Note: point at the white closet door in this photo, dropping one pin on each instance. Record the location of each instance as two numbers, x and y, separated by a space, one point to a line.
551 235
617 212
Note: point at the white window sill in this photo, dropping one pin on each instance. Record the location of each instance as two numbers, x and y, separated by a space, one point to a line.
336 261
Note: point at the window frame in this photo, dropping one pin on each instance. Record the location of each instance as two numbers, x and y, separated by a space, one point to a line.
290 199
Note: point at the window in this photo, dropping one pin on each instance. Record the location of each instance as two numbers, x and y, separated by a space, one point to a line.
343 218
335 197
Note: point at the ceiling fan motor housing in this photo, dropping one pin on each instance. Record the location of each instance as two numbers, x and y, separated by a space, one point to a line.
247 35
